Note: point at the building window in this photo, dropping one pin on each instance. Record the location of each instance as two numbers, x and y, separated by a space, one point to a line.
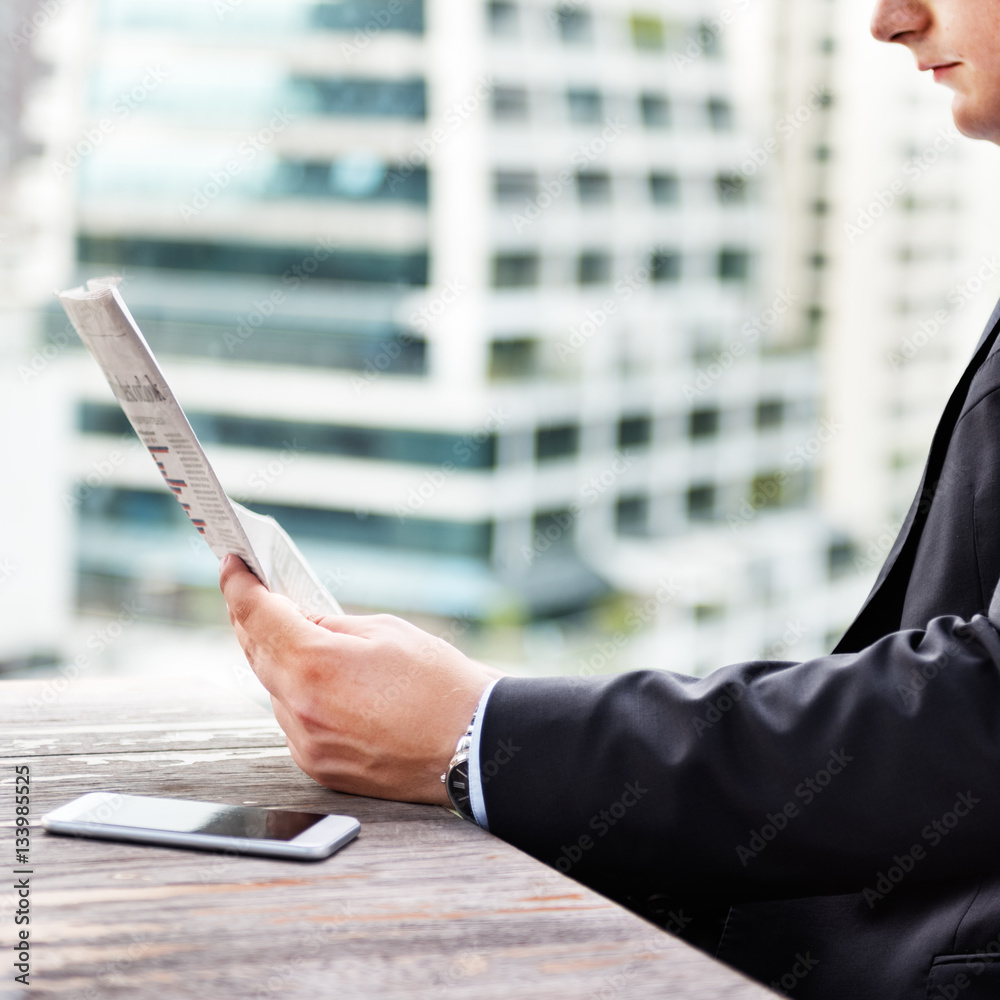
840 555
703 423
770 413
720 114
248 258
704 613
665 266
701 502
361 98
586 105
350 178
708 38
514 186
383 444
510 104
513 359
731 189
635 432
575 23
767 490
647 32
405 15
733 264
444 538
560 441
593 187
632 515
515 270
593 268
552 529
282 339
655 110
778 489
502 17
664 189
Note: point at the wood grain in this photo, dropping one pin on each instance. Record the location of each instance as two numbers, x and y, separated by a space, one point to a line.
422 904
60 716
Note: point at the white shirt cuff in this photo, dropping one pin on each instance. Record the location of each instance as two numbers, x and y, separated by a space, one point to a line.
475 776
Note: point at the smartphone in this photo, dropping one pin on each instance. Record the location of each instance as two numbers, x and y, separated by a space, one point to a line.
207 826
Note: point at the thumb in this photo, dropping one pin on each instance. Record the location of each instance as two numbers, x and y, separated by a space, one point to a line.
266 618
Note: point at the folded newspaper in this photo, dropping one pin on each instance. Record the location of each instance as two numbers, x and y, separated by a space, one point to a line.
109 332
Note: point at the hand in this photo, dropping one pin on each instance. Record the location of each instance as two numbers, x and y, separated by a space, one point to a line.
370 705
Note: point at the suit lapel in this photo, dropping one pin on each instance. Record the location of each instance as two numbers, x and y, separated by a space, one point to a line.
991 325
882 611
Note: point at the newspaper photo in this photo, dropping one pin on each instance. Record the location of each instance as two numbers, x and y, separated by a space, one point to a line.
109 332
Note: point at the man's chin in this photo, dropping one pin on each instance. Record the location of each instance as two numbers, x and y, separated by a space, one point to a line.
973 123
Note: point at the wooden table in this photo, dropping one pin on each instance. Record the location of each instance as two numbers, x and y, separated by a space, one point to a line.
422 904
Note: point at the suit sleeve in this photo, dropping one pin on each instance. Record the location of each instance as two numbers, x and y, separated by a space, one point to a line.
763 778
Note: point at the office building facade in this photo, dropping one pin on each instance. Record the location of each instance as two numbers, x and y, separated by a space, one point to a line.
477 299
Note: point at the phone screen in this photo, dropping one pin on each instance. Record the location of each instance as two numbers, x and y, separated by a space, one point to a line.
182 816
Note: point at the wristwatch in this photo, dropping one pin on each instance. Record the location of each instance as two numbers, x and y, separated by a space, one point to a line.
456 778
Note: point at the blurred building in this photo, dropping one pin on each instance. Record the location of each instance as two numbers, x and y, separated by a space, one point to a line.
886 230
914 272
480 300
36 564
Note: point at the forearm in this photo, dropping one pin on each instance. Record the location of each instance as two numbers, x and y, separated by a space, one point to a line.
800 777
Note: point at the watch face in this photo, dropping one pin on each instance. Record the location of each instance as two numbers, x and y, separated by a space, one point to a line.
458 788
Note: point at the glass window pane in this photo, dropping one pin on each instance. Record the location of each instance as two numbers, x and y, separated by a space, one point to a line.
720 114
513 359
593 268
516 270
701 502
361 98
369 16
510 104
593 187
575 23
476 450
655 109
665 266
561 441
244 258
585 105
664 189
634 432
770 413
647 31
632 515
733 264
731 188
703 423
502 16
515 185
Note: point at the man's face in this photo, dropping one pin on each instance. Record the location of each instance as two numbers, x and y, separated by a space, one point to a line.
959 41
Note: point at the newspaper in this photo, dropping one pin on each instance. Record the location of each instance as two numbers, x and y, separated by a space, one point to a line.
109 332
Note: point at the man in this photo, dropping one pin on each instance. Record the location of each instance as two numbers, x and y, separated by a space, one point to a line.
832 827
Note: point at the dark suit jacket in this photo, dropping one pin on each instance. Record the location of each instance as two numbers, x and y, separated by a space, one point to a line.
831 827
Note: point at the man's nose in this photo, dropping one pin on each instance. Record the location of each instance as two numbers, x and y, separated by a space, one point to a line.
899 20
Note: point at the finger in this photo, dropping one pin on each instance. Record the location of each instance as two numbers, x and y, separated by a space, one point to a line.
243 593
246 643
265 623
251 604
